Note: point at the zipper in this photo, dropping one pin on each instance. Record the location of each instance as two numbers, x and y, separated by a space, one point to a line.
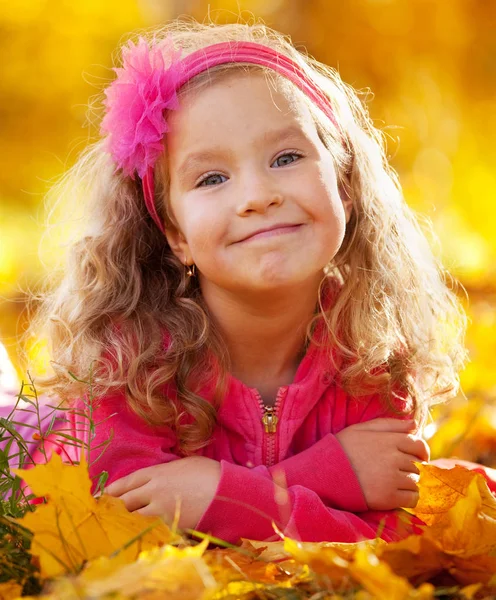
270 421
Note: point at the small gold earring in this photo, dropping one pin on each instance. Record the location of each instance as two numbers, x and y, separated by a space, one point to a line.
191 272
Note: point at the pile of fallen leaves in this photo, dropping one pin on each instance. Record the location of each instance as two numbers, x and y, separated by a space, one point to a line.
86 547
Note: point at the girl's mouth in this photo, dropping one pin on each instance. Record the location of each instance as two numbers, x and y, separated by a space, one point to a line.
277 230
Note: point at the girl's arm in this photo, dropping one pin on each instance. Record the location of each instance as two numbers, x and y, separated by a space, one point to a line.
123 442
346 475
367 465
247 501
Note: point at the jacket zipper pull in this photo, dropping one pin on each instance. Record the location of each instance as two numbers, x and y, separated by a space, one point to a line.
269 420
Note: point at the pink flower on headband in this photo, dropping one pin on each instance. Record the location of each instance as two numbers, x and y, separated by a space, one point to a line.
135 102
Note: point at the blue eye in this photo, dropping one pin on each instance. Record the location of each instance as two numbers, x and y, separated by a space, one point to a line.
212 179
284 159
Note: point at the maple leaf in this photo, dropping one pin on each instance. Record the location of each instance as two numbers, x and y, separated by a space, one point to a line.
459 509
460 539
57 480
73 527
440 489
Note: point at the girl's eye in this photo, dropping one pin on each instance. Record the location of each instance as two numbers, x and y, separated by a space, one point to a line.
217 178
213 179
286 159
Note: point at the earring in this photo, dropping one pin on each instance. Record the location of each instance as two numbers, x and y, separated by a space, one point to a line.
191 272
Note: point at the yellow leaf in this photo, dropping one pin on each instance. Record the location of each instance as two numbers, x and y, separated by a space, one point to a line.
56 480
168 571
461 538
459 509
470 591
440 489
415 556
475 569
332 560
10 590
338 553
469 530
323 559
378 578
73 527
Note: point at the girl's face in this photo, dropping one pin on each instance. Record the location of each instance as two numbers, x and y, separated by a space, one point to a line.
244 157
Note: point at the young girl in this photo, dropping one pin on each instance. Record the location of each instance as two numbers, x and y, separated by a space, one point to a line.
264 319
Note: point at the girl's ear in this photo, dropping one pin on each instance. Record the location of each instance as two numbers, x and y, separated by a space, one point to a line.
178 244
346 198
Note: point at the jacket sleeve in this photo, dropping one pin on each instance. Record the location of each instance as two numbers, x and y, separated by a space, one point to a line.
318 498
121 442
325 467
247 501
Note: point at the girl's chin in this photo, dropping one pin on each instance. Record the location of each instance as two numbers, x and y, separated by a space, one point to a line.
260 276
275 283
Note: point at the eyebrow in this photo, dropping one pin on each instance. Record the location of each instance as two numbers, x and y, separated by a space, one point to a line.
194 160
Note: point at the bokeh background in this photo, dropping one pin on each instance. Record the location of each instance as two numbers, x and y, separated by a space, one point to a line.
431 68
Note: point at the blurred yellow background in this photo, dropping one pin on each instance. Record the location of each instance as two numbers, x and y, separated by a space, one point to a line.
430 65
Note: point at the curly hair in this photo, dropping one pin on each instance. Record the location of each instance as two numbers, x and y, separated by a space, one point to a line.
396 322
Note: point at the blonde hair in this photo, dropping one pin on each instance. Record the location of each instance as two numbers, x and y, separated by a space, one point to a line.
396 321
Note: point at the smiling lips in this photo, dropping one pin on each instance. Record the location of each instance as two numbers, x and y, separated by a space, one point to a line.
277 229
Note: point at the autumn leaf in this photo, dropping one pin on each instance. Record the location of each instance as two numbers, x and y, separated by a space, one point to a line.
381 582
73 527
331 560
346 565
10 590
459 509
471 530
420 559
460 539
417 558
250 563
57 480
440 489
168 571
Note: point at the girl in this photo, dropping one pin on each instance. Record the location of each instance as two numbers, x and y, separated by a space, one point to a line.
265 319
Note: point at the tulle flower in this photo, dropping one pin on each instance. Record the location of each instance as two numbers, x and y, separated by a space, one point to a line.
145 86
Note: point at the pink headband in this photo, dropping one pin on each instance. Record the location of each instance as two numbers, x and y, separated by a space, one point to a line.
146 86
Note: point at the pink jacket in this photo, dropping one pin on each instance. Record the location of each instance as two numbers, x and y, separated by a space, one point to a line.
324 500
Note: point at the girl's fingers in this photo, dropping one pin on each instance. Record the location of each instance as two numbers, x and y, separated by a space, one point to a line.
146 511
135 499
152 511
414 445
408 481
407 498
128 483
407 462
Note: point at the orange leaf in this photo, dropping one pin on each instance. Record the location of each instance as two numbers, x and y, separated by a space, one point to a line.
459 509
73 527
440 489
378 578
461 538
10 590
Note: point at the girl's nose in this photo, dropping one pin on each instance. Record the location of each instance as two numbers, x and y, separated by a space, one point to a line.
257 196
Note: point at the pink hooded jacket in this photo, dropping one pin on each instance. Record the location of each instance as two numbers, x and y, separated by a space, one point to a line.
322 499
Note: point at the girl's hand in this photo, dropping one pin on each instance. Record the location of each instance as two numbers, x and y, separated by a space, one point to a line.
382 453
154 490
